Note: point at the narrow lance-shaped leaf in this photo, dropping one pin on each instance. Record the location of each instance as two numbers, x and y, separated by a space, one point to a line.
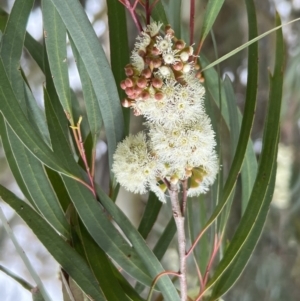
12 46
55 35
67 257
96 64
14 116
248 116
37 183
90 99
119 53
211 12
251 225
101 265
24 257
150 261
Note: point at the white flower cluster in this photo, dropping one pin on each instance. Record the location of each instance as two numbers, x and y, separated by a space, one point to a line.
162 85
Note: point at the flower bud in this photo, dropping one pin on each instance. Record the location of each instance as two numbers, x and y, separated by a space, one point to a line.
145 95
157 83
141 82
186 68
155 51
174 179
129 91
123 85
126 103
169 30
159 95
184 56
178 66
129 71
146 73
128 82
180 44
157 62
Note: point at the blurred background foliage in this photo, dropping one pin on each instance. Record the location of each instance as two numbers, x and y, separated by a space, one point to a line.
273 272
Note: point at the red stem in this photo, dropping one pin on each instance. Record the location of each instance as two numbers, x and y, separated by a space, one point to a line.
147 11
192 21
131 10
217 243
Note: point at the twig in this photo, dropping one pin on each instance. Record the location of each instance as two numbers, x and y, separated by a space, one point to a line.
179 220
192 21
131 10
217 243
184 197
78 138
147 11
157 278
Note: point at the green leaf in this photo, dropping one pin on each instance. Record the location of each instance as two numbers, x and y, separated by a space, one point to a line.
104 233
173 11
93 57
91 104
12 162
211 12
101 265
23 256
35 49
55 35
250 42
17 278
119 53
159 14
38 186
15 117
150 261
12 46
67 257
248 118
150 215
251 225
165 239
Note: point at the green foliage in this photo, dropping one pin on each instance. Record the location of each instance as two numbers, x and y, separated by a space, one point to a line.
45 149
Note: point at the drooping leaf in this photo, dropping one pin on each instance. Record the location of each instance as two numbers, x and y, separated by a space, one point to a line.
101 265
67 257
251 225
38 186
55 35
150 215
248 117
119 52
211 12
93 57
23 256
12 46
91 104
149 259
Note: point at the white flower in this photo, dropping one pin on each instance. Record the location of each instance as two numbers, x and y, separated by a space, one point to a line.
133 166
153 28
164 44
137 61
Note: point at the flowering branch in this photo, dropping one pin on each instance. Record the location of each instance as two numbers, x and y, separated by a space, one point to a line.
179 220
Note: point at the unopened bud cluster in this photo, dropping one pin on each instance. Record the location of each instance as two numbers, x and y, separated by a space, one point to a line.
162 84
